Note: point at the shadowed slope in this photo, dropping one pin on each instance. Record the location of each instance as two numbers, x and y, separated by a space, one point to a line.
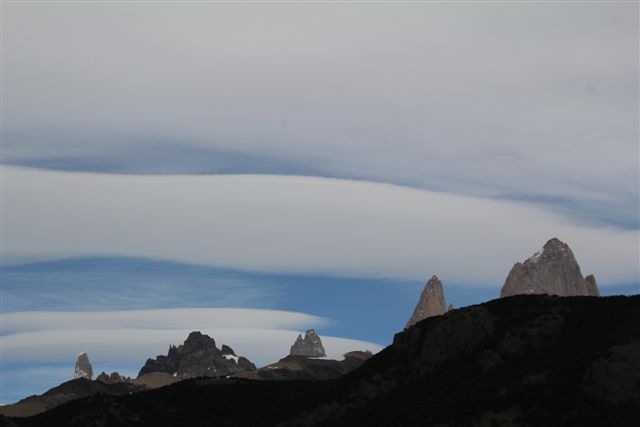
525 360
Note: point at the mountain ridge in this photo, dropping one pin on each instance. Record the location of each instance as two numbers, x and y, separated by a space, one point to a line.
529 360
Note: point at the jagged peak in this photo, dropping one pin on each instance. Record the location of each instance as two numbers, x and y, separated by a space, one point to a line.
431 302
310 345
557 245
83 367
225 349
552 270
198 356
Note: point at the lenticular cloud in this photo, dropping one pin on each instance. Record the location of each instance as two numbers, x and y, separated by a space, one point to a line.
130 337
293 224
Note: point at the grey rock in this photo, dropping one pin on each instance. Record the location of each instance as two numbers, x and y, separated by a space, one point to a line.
83 367
114 378
310 345
553 271
431 302
198 357
592 286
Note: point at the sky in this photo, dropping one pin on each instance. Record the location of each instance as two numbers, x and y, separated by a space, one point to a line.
255 169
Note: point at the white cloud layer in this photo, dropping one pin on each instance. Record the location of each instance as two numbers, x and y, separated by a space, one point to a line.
130 337
293 224
533 100
174 318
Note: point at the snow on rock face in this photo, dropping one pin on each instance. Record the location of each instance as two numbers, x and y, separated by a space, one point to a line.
553 271
231 357
431 302
310 345
83 367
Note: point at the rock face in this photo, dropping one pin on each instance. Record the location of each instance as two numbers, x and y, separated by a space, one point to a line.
431 302
114 378
83 367
553 271
198 357
308 368
310 345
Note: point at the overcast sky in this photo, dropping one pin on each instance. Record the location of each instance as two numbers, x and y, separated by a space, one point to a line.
511 100
190 155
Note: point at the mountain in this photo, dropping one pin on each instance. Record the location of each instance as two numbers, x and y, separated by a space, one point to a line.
66 392
83 367
431 302
552 271
307 361
308 368
527 360
310 345
111 379
198 357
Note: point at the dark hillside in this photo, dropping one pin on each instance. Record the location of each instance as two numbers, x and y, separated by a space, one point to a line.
524 360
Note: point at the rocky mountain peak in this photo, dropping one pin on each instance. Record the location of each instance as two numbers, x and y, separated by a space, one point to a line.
553 270
226 350
83 367
431 302
114 378
310 345
198 340
198 357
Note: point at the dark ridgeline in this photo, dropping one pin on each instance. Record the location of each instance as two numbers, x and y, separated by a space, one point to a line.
527 360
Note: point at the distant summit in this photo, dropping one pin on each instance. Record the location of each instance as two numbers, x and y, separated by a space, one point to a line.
431 302
553 271
310 345
198 357
114 378
83 367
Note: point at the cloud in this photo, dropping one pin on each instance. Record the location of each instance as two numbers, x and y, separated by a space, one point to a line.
134 335
125 336
293 224
125 346
535 101
174 318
